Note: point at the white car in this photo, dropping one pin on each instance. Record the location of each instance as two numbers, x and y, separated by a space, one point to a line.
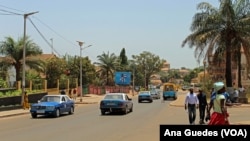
155 94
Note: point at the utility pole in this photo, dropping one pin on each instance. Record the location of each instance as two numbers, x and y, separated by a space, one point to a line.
24 53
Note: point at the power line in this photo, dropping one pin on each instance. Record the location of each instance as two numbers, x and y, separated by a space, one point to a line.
11 8
13 13
44 37
10 13
57 33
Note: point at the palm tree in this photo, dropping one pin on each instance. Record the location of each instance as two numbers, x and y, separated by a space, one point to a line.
108 64
219 29
13 52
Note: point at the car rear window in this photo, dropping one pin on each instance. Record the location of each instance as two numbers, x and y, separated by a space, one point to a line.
50 99
113 97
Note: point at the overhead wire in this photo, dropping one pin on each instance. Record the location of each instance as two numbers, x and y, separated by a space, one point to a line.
13 13
55 32
44 37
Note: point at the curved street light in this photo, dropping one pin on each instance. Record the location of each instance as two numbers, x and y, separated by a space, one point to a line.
81 48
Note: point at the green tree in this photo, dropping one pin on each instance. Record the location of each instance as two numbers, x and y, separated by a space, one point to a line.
13 52
55 67
107 65
147 64
123 60
213 29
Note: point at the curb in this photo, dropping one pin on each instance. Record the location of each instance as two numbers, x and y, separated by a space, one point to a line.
17 114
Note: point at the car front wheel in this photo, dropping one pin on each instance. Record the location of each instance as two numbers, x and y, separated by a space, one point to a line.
102 112
71 110
125 110
34 115
57 113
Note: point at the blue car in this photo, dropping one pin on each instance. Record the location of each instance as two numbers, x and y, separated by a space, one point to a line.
54 105
145 96
116 102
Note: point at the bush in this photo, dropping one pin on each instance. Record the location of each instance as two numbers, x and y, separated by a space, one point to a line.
17 93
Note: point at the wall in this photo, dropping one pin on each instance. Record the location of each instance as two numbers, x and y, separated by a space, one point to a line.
16 100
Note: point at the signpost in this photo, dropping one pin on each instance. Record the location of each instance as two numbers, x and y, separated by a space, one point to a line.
123 78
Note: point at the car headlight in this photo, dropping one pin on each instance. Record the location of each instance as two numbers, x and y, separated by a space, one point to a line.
50 108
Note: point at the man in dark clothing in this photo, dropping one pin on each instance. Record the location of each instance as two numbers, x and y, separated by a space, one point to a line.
202 105
63 92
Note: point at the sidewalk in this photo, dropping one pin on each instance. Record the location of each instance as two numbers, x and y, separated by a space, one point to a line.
181 99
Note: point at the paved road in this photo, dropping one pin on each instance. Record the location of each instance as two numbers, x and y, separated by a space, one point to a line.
87 123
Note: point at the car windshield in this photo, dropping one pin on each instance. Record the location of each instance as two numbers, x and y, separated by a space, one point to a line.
144 93
51 99
153 91
113 97
169 88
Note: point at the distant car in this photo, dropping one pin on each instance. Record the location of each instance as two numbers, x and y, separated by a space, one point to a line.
145 96
184 88
54 105
155 94
116 102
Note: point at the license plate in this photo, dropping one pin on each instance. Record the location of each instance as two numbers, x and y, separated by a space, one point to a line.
110 103
40 111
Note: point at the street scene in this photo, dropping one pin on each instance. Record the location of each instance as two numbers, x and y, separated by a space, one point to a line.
87 121
124 70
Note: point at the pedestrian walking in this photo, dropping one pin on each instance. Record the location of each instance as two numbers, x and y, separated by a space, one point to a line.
219 115
191 103
70 93
74 94
202 105
26 104
63 92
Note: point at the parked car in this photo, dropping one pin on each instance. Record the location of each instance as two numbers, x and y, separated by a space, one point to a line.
155 94
145 96
116 102
54 105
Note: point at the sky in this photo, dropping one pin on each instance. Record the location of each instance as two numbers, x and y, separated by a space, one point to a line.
156 26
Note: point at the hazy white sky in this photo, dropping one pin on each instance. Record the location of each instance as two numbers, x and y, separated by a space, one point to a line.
157 26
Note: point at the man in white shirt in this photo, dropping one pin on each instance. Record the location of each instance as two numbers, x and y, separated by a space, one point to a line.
191 103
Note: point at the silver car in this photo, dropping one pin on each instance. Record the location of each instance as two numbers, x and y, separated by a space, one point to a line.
155 94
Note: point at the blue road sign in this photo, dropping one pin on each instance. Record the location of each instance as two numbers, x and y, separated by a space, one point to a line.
122 78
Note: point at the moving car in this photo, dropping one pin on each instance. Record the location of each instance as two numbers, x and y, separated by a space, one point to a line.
169 91
54 105
155 94
184 88
116 102
145 96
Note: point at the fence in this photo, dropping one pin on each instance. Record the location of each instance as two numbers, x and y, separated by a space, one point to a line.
86 89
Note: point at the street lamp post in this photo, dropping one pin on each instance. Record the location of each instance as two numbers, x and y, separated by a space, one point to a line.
81 44
24 52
